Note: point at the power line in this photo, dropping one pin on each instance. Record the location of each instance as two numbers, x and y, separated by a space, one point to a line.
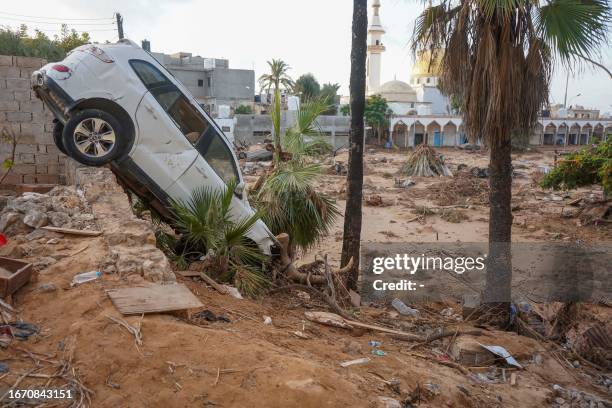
57 18
50 30
55 22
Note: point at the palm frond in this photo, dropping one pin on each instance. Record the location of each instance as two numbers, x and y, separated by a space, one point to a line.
574 29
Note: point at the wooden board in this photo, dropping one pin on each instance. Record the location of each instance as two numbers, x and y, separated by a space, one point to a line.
71 231
153 299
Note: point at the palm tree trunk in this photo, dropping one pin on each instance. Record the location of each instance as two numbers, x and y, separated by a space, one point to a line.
354 194
276 124
499 266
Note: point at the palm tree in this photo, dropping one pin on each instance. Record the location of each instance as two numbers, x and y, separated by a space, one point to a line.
276 79
497 57
354 186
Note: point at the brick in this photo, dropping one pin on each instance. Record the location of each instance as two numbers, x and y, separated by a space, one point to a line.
42 118
21 96
32 106
10 72
45 158
47 178
18 117
13 178
53 169
25 148
29 178
6 60
29 62
9 106
49 126
26 73
26 158
17 84
11 128
41 169
29 128
52 149
21 168
7 96
2 84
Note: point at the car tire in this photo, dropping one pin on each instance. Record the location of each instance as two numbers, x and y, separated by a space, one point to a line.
58 128
94 137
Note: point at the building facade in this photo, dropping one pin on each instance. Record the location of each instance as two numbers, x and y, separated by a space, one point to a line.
211 81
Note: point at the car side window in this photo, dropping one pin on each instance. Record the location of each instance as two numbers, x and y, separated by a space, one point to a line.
150 76
218 155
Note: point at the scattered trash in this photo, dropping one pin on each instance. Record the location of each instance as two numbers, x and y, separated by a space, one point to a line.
378 352
21 331
448 312
267 320
300 334
329 319
3 240
302 295
47 287
374 343
355 298
355 362
401 183
480 172
374 200
403 309
233 291
4 368
432 387
503 353
388 402
15 273
210 316
85 277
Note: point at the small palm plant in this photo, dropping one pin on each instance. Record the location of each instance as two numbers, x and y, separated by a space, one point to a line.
305 138
207 229
287 198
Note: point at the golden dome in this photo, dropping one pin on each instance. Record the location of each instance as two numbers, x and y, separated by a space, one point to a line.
425 66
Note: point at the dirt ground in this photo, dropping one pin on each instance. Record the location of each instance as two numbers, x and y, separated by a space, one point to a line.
185 362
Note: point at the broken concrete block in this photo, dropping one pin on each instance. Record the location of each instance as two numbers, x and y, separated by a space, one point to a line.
59 219
35 219
467 352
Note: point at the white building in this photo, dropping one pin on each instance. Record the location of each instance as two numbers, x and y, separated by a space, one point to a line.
422 114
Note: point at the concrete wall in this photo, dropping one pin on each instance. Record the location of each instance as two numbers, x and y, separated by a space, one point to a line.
37 159
255 128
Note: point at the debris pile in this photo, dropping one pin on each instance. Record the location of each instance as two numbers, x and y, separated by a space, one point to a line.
463 189
63 207
425 162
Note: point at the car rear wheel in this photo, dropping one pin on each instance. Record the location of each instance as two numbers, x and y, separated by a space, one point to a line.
95 137
58 128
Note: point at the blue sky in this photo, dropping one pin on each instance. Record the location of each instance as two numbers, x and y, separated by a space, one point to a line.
312 36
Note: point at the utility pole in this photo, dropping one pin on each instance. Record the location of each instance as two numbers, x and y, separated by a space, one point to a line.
566 82
119 25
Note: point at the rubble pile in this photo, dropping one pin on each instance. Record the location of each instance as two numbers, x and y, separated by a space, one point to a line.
131 241
461 189
63 207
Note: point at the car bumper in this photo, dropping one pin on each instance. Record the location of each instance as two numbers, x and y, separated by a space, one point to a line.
52 95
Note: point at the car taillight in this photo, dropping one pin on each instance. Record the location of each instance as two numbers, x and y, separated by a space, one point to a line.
99 54
60 68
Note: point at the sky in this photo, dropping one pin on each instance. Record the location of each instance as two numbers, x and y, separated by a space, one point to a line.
311 36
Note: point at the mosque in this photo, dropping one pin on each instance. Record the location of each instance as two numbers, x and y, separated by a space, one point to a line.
422 114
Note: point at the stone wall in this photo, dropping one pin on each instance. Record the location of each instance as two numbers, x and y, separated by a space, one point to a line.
37 159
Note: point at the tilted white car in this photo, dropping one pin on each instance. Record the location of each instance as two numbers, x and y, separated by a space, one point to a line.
115 104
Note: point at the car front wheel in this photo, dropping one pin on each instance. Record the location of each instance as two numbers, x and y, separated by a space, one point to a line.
94 137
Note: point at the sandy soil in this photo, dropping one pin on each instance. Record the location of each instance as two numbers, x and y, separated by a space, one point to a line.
186 363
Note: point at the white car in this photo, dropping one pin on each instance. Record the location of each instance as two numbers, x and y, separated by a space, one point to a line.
116 104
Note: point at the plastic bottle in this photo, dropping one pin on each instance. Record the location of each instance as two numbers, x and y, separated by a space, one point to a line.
403 309
85 277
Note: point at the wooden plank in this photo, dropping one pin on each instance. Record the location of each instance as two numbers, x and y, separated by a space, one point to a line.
219 288
72 231
189 274
153 298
